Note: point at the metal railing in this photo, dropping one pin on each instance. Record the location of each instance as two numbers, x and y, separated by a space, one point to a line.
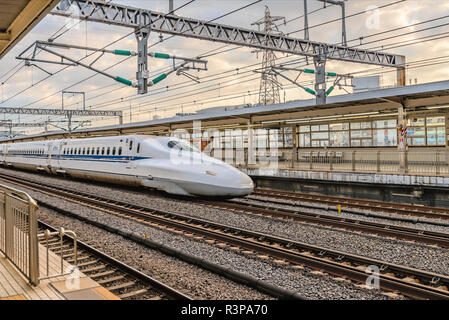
18 231
58 246
383 161
414 162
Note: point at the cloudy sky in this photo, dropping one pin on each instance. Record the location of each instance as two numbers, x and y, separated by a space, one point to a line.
230 79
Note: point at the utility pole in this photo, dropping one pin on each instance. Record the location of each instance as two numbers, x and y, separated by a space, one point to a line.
269 86
343 18
320 76
306 22
142 34
170 5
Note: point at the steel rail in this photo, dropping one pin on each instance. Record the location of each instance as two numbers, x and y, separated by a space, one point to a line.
395 231
128 271
411 282
371 205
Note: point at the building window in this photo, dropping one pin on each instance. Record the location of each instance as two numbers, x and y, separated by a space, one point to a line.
428 131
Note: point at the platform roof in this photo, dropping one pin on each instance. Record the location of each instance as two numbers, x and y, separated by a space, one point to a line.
18 17
414 98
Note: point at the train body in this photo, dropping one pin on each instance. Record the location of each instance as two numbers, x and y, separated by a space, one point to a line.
163 163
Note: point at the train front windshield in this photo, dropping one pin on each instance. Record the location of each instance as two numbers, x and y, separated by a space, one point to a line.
182 145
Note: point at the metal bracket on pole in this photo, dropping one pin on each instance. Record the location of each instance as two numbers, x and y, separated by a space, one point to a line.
142 34
343 18
73 92
69 124
320 75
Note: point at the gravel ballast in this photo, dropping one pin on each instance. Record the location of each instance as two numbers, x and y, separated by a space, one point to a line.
396 251
312 285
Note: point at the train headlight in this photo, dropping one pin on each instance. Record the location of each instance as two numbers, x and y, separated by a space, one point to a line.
211 173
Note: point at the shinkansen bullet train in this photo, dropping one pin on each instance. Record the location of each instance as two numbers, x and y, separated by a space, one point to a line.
164 163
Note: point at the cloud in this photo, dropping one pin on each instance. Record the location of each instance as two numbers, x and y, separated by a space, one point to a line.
99 88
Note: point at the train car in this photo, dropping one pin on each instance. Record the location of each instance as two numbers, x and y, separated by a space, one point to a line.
163 163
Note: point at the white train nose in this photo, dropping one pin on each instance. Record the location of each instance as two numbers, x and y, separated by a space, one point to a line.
233 183
219 180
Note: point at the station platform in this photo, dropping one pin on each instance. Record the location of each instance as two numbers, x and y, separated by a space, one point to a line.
414 188
386 178
14 286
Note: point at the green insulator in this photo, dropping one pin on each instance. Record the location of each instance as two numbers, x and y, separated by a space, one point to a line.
161 55
124 81
122 52
331 74
328 92
309 71
159 78
310 91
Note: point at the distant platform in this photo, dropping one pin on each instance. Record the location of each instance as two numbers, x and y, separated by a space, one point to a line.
14 286
429 180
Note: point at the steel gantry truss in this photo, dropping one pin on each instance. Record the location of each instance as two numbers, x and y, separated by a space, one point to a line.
66 113
120 15
9 124
126 16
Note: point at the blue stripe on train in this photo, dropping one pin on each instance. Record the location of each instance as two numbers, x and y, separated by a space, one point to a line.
82 157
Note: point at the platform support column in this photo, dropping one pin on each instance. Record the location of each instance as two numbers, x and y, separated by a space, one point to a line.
446 153
294 146
402 141
250 154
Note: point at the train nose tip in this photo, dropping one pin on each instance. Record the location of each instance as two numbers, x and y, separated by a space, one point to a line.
244 185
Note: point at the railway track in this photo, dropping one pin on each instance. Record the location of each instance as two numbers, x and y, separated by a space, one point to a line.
122 280
358 204
394 231
414 283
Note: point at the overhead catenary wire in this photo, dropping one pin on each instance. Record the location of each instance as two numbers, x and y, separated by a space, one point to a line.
162 41
123 37
408 41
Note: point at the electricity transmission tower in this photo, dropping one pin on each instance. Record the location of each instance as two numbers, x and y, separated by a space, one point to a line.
269 86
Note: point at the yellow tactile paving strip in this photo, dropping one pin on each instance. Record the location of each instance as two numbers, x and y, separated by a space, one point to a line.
84 289
18 297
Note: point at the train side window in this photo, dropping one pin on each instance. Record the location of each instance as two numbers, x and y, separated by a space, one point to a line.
113 151
138 148
109 151
98 150
120 151
87 150
102 150
130 145
84 150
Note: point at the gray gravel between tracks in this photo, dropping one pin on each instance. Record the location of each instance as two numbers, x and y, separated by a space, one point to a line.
310 284
191 280
290 204
401 252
